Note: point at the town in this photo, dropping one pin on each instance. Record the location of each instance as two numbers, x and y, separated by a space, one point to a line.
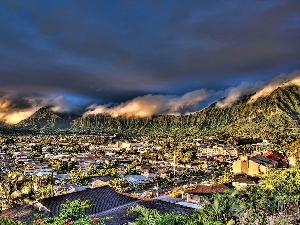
144 167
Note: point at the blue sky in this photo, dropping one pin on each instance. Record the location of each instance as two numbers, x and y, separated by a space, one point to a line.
112 51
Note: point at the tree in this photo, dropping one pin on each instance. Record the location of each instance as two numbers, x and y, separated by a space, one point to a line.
78 177
42 185
153 217
119 184
224 208
15 189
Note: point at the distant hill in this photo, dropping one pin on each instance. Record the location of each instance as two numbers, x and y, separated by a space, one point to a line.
47 120
267 117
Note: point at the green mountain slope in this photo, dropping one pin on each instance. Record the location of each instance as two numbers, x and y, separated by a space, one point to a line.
268 116
46 120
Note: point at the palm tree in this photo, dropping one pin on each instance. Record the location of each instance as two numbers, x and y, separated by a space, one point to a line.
153 217
220 208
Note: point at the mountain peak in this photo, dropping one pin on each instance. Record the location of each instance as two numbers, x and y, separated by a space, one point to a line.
46 119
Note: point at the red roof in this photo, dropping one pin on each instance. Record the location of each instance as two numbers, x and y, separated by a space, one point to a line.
162 171
207 189
273 155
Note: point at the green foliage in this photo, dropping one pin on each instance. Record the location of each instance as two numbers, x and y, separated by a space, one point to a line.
42 185
15 189
152 217
132 170
10 221
62 166
220 207
119 184
284 187
77 177
80 177
46 119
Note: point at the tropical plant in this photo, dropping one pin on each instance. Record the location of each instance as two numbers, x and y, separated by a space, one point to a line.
220 207
15 189
10 221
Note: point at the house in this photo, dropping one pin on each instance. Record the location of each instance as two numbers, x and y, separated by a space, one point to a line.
192 165
39 171
84 158
195 195
149 172
59 177
128 145
61 157
106 203
276 156
21 157
44 171
162 172
67 189
258 165
218 150
28 172
242 183
137 179
97 183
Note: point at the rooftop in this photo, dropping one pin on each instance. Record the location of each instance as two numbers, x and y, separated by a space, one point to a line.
244 180
102 199
208 189
106 203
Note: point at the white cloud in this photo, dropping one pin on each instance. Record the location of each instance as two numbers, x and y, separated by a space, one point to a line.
149 105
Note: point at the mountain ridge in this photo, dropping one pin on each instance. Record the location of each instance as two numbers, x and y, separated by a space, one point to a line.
267 116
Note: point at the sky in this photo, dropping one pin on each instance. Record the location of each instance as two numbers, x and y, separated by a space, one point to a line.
141 57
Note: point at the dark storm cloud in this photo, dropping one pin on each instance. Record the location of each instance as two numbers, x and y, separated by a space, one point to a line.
247 37
113 51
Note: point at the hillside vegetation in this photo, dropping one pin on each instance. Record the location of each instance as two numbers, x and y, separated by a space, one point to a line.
47 120
268 117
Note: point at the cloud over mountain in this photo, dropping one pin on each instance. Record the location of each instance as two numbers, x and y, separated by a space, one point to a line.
279 81
149 105
14 110
236 93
